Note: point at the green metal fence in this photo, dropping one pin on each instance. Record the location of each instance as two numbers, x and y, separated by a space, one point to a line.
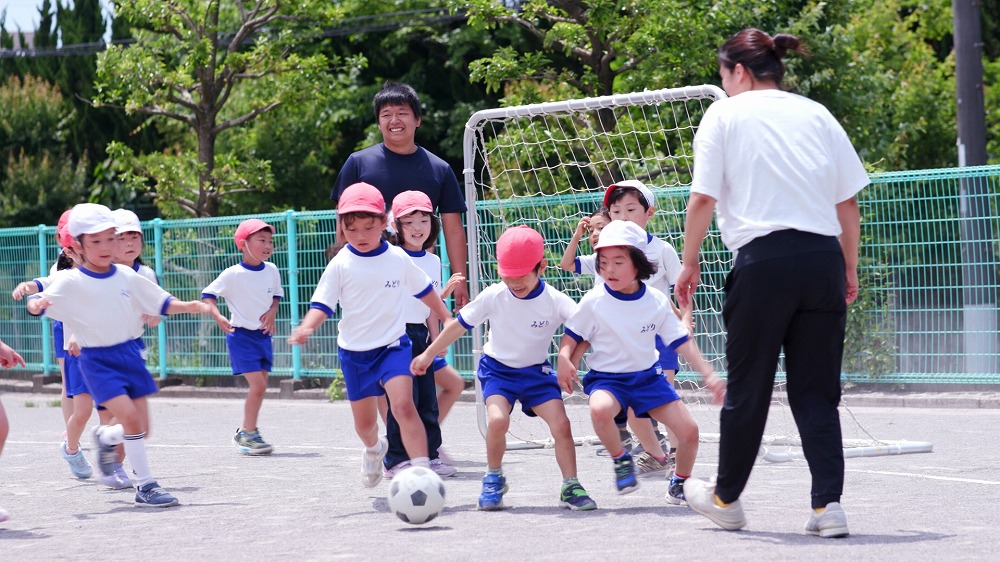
913 324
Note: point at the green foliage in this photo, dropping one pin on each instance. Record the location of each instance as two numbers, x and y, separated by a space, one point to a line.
869 344
336 390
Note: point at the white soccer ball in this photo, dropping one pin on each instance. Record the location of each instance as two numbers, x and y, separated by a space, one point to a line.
416 495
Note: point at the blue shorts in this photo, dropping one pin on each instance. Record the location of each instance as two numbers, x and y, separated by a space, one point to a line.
72 378
116 370
642 391
438 363
531 386
249 351
668 356
57 339
366 372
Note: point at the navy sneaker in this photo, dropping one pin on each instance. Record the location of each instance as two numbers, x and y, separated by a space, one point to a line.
107 456
625 479
675 492
494 487
575 497
152 495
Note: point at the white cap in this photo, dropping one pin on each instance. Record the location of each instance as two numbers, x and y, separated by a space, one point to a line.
650 198
622 233
90 218
127 221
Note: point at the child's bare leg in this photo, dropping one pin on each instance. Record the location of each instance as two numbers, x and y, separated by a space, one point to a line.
553 413
105 418
255 397
452 385
365 413
498 416
603 409
65 402
4 427
383 409
678 420
133 415
646 434
671 374
400 392
83 406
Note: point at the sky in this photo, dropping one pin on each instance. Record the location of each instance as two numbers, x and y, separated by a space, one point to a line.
24 13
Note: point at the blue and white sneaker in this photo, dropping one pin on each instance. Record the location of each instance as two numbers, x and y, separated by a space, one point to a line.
117 480
494 487
107 456
152 495
77 463
625 479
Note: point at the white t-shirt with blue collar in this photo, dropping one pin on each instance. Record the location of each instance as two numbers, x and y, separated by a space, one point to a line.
249 291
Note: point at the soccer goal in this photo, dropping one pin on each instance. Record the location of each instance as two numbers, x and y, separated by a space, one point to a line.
547 165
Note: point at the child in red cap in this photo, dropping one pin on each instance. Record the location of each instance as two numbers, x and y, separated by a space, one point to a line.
524 313
252 289
372 282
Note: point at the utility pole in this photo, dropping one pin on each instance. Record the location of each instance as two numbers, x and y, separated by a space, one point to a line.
978 271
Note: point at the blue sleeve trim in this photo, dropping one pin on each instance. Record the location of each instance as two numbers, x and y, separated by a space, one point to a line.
430 287
322 308
576 266
573 335
166 303
39 285
209 296
462 321
678 342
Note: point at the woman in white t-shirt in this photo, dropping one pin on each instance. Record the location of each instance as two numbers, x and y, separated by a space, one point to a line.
781 176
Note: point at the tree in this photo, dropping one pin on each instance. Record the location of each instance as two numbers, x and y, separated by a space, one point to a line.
190 59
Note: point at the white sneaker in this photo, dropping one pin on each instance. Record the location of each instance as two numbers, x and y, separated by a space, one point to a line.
830 524
4 515
371 463
392 472
442 469
699 495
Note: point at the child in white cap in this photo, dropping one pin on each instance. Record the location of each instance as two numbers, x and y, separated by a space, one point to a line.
373 282
103 306
524 313
252 289
620 319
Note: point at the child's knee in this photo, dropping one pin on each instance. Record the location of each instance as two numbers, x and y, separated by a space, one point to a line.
602 413
498 421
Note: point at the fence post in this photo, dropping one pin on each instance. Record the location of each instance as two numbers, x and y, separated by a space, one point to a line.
43 260
291 218
161 329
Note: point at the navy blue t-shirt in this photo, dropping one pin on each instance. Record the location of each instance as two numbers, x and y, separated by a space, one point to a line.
394 173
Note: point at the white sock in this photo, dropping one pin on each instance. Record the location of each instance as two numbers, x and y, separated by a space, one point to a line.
421 461
111 434
135 451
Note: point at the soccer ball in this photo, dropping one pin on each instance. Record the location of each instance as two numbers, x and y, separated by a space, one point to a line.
416 495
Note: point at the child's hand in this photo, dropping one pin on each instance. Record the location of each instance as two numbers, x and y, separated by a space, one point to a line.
443 354
717 387
223 323
583 226
567 375
73 347
300 335
267 320
453 283
9 358
36 306
419 364
23 289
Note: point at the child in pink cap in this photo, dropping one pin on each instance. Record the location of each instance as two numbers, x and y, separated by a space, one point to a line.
524 313
373 282
621 318
252 289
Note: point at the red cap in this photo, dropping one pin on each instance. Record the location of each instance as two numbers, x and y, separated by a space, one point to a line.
62 233
361 197
519 249
650 199
410 202
248 227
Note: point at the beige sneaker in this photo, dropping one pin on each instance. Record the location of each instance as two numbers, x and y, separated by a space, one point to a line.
699 495
371 463
830 524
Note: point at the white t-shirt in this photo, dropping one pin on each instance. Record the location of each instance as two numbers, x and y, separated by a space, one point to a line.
373 289
659 252
622 328
521 330
145 271
773 161
416 311
249 292
103 309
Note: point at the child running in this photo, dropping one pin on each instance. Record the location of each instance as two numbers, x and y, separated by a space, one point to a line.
523 313
416 230
252 289
8 358
621 318
373 282
103 305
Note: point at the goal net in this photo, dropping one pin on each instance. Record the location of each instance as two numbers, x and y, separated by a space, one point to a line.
547 166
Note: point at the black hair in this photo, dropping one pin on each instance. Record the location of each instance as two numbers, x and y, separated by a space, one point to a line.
602 212
397 238
644 269
348 218
621 191
395 93
332 250
760 53
64 261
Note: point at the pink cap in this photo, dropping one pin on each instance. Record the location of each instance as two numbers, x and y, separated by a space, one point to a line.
650 199
62 232
410 202
622 233
361 197
519 249
248 227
